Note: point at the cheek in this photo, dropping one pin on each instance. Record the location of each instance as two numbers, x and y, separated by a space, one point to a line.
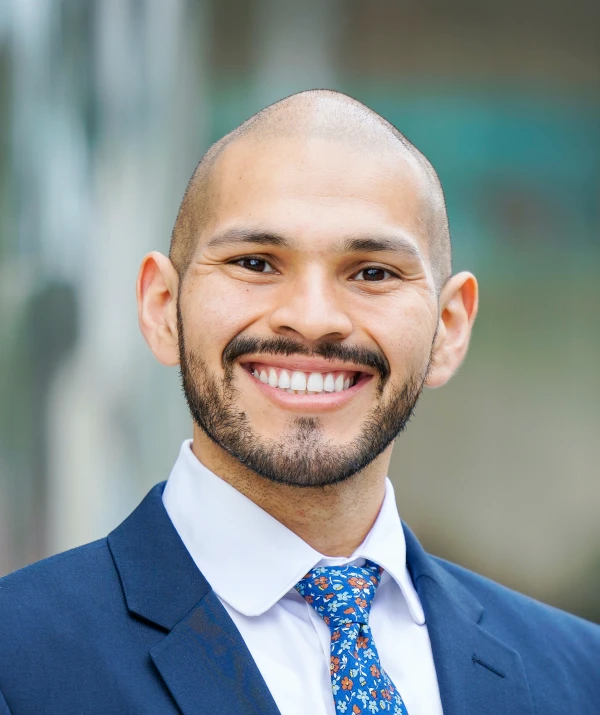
216 311
405 335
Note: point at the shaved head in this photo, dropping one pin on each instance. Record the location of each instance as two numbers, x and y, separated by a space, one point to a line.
333 117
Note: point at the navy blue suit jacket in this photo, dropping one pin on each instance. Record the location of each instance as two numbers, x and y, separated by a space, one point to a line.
129 625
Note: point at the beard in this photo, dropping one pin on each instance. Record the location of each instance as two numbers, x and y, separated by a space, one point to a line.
302 457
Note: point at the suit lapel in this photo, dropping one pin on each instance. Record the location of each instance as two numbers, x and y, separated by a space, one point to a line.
202 659
476 672
207 666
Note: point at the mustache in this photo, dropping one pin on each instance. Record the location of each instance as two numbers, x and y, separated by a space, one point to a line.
243 345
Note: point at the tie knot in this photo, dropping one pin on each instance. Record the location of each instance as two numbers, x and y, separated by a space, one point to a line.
341 595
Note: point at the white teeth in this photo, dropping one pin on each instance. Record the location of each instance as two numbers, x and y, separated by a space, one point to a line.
298 381
329 382
315 382
284 380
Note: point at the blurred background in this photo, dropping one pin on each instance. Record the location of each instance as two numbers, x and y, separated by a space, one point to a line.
105 109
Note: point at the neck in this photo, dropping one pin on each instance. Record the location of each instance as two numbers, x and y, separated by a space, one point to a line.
334 519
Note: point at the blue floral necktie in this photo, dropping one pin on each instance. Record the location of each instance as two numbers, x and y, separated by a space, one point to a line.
342 596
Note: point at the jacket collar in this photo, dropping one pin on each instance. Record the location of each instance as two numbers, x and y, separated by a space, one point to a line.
422 565
160 581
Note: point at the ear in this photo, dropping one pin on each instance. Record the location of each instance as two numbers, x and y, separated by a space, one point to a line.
458 308
156 291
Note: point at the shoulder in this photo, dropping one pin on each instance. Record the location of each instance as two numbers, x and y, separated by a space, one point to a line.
552 643
56 572
68 638
57 617
502 604
34 598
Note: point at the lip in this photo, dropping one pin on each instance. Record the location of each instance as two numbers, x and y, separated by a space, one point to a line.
319 402
305 364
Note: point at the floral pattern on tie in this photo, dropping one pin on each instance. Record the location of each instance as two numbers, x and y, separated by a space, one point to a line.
342 596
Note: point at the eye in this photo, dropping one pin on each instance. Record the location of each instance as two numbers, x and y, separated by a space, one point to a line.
373 274
259 265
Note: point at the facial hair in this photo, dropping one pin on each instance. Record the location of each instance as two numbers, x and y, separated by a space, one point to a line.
302 457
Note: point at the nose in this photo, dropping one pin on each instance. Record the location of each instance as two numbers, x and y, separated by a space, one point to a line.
312 307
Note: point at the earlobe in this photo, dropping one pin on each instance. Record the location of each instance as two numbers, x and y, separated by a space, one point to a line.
458 309
156 290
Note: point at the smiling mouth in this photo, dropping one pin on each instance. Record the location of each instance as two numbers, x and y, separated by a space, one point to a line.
305 383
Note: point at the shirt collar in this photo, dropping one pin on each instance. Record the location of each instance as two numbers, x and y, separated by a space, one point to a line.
233 541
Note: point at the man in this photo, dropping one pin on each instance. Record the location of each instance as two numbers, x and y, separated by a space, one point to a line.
308 299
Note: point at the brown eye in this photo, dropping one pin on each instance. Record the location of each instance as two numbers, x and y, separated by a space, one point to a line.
372 274
259 265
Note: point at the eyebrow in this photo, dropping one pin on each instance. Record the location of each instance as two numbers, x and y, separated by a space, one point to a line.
241 235
398 243
395 244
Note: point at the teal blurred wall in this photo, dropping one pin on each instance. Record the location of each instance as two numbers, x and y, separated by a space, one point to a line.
105 109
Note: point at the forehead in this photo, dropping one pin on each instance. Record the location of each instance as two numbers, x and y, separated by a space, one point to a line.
318 187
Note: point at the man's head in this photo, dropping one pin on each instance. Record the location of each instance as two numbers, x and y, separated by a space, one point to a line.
331 117
312 244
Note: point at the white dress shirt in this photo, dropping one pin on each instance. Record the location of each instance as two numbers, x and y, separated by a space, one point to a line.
253 562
